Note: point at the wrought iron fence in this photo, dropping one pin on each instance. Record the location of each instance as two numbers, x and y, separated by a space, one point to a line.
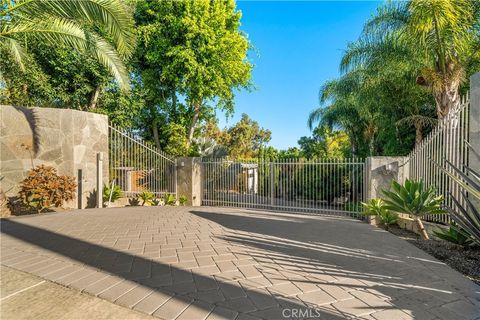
334 186
448 141
137 166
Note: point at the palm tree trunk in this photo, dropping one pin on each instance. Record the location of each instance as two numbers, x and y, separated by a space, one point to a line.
353 143
448 98
418 133
371 146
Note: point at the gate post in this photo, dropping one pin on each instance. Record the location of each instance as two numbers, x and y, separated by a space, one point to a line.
272 185
99 180
474 125
189 180
379 174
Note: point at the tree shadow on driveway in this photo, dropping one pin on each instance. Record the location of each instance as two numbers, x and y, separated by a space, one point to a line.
345 253
137 282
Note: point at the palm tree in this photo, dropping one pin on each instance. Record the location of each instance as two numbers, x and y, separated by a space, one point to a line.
338 110
419 120
348 103
83 25
440 37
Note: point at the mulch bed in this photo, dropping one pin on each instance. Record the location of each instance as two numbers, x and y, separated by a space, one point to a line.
464 260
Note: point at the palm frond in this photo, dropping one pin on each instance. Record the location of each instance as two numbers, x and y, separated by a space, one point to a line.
109 58
53 30
16 51
112 16
375 51
389 17
314 117
417 119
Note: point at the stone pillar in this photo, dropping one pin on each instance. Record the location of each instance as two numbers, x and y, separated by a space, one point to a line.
189 180
474 128
379 174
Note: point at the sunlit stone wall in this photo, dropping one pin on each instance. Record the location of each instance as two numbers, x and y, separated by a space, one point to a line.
68 140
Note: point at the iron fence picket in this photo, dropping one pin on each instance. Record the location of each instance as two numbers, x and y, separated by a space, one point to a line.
318 185
447 141
137 166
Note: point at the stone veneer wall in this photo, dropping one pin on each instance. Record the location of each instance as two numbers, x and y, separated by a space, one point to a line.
68 140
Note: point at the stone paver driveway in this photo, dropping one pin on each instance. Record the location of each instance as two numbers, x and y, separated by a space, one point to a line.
216 263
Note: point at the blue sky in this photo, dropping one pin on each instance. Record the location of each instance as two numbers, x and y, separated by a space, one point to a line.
299 46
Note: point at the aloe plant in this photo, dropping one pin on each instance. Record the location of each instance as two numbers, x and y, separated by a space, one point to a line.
377 207
414 200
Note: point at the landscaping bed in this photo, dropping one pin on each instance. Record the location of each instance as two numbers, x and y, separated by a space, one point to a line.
464 260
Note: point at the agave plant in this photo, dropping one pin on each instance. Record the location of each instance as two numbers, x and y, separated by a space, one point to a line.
169 199
377 207
72 23
414 200
147 198
468 216
183 200
454 234
112 193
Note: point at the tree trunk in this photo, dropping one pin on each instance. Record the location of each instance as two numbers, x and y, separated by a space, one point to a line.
354 148
371 146
447 99
191 130
155 134
418 134
421 228
94 98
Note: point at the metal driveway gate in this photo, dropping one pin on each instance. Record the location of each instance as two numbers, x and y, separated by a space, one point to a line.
137 166
334 186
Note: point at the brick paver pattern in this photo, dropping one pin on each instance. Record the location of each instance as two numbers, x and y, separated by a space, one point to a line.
217 263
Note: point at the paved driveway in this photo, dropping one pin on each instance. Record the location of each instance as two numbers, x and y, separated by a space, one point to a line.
216 263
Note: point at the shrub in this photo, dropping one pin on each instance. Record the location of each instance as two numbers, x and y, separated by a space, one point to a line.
116 193
147 197
44 188
183 200
377 207
454 234
466 216
133 202
413 200
169 199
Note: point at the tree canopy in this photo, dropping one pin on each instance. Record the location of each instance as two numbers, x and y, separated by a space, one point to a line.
408 68
82 25
192 50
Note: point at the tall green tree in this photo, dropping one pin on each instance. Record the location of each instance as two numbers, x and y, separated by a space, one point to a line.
100 28
325 143
193 51
245 139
